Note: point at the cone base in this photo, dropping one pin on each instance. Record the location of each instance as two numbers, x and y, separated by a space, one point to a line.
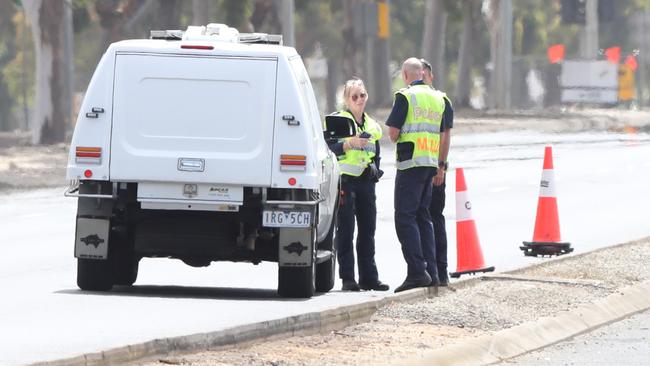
471 271
534 249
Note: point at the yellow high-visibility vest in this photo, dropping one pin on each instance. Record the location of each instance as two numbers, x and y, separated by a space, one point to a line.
422 125
356 160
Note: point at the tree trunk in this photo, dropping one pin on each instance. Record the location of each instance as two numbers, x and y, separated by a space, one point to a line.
433 41
491 16
350 45
201 12
470 14
46 17
169 14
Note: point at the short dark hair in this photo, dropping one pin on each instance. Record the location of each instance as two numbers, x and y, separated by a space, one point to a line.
426 64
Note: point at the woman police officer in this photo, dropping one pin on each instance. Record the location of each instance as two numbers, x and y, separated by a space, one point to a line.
358 158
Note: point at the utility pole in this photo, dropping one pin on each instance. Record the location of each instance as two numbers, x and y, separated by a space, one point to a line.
383 83
287 9
590 45
503 67
68 64
370 26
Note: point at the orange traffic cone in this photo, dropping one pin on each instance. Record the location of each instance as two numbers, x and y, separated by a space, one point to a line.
469 257
546 238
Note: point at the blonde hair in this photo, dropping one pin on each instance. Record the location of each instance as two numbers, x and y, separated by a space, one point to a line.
349 85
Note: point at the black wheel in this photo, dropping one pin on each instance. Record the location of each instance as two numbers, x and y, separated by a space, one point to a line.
296 282
121 255
94 274
326 271
125 270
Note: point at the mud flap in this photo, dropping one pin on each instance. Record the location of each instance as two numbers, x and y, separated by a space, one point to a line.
91 238
296 247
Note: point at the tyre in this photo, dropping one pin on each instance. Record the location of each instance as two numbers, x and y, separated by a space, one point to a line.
94 274
125 270
297 282
124 261
326 271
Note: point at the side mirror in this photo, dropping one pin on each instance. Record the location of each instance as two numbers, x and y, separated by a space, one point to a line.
337 127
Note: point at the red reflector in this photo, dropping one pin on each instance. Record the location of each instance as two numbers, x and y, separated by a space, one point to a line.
293 162
88 173
88 155
292 181
196 47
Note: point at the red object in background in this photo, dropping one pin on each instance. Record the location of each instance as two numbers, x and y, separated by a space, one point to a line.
630 61
555 53
613 54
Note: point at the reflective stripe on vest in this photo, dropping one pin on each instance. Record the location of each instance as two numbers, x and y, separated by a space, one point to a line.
356 160
422 125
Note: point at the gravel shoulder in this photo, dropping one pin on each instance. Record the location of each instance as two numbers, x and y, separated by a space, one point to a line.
464 311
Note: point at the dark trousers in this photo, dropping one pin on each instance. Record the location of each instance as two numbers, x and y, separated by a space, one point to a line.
413 223
357 203
439 231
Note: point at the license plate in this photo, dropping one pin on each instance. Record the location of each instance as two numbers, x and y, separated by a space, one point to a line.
278 218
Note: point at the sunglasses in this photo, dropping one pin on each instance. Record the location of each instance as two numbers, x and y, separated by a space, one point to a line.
357 96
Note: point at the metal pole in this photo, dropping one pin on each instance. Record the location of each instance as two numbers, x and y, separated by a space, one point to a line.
383 82
642 61
286 16
591 29
503 66
68 64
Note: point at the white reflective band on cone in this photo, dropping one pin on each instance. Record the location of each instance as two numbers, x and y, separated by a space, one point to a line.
547 185
463 207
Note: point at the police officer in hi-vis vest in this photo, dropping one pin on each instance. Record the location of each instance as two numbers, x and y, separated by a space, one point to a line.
438 189
358 158
414 124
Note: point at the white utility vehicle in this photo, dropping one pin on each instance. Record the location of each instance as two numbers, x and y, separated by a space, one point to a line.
203 145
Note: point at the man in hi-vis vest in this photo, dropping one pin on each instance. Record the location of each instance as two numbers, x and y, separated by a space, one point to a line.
414 124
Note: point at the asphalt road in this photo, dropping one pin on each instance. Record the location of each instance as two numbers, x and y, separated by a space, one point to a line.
603 198
624 343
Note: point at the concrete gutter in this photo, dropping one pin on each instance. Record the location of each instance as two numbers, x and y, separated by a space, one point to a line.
544 332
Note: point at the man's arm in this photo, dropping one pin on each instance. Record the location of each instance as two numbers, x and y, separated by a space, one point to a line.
397 117
445 141
393 133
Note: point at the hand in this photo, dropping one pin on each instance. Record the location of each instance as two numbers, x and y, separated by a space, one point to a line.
357 142
439 178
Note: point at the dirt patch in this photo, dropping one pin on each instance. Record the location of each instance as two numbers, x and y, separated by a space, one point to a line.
27 167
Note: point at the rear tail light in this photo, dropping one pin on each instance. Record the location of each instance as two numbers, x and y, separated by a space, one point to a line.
293 162
88 155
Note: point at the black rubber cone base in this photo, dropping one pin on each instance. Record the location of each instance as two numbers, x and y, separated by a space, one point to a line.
534 249
473 271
